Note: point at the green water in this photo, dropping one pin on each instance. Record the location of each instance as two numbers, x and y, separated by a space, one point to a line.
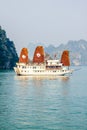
43 103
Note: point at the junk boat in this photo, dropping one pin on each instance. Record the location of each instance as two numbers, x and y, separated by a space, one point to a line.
41 67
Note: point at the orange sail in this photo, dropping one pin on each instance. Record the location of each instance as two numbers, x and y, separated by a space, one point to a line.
65 58
38 55
24 56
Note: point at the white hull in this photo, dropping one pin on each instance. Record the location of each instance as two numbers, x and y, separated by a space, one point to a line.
40 70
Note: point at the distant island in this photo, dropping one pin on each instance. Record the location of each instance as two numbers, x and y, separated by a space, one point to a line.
8 54
78 51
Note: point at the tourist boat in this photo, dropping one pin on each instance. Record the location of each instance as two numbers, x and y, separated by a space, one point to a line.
40 66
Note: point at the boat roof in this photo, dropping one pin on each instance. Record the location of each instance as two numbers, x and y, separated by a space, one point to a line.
53 61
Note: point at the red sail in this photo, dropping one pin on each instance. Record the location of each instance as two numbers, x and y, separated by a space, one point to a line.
38 55
24 56
65 58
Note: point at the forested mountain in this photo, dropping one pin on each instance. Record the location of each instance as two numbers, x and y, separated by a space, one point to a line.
8 54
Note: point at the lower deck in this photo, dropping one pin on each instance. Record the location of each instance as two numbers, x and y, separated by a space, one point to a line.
41 72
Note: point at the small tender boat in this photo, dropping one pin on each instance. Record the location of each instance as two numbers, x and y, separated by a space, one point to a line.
41 67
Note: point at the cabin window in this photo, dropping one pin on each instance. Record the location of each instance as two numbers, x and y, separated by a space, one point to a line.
23 67
34 67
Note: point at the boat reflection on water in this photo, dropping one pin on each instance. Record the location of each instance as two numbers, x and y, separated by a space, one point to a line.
39 81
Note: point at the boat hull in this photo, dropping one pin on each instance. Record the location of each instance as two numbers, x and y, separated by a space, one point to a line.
27 72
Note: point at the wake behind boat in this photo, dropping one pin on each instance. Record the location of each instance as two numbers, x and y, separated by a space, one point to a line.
40 66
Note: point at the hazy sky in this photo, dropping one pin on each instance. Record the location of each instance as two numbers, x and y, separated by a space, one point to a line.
48 21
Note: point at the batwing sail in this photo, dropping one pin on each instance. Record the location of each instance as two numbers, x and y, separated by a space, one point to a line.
65 58
24 56
38 55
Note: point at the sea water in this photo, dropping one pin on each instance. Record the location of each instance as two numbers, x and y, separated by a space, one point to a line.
43 103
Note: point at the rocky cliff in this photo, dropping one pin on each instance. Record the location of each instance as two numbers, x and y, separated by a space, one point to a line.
8 54
78 51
